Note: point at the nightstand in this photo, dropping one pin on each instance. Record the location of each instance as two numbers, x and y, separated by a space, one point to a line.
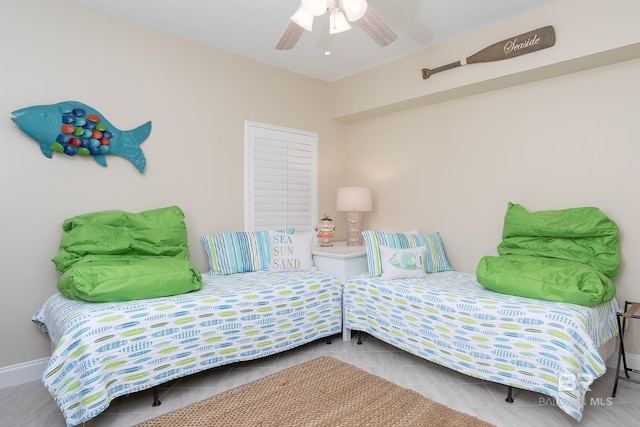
342 261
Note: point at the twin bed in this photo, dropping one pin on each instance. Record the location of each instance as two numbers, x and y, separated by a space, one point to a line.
105 350
123 321
539 316
450 319
243 311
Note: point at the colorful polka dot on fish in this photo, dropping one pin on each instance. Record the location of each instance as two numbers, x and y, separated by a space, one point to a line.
82 134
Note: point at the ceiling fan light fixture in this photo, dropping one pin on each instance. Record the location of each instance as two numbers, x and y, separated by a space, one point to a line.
354 9
314 7
340 12
303 18
337 21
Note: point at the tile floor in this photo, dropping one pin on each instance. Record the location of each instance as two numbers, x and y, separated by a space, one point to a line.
30 405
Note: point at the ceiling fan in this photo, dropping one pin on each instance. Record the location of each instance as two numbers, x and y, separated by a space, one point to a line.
341 12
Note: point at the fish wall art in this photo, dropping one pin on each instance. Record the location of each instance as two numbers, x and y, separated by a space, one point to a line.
74 128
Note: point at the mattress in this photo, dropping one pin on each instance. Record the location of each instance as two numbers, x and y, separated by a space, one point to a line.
105 350
450 319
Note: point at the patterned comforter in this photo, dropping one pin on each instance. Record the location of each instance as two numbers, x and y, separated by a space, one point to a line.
105 350
450 319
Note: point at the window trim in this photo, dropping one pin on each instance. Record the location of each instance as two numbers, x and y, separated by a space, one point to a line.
249 127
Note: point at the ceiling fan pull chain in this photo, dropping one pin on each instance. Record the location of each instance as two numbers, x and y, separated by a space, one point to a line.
327 52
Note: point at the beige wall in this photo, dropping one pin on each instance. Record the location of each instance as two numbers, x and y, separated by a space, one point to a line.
564 142
197 98
453 167
449 166
483 135
589 33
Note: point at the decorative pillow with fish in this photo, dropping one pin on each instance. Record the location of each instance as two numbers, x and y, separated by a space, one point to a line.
435 258
402 263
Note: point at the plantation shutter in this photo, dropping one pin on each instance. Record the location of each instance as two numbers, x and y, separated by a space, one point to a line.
280 178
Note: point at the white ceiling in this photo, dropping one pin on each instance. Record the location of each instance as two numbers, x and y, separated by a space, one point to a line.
252 28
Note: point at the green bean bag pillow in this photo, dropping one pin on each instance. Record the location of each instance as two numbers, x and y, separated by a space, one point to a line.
547 279
113 256
565 255
115 280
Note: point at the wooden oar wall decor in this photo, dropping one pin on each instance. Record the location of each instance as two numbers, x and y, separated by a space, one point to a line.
532 41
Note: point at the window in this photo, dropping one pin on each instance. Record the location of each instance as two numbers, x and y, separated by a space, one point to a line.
281 178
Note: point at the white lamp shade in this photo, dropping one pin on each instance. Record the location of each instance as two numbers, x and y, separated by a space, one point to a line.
354 199
354 9
303 18
337 22
315 7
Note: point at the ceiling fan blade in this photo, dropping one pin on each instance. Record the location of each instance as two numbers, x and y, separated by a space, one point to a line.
376 29
290 37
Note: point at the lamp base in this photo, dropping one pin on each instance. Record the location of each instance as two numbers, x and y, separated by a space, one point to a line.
354 229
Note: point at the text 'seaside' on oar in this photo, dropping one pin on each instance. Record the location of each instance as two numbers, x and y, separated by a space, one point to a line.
532 41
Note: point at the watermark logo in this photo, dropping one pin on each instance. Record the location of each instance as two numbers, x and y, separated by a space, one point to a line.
572 383
599 401
591 401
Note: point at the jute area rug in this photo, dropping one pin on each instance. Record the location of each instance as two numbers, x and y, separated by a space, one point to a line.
321 392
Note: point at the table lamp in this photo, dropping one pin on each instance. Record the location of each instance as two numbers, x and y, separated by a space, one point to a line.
354 200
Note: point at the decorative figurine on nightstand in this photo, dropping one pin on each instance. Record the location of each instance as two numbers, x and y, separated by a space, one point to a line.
325 230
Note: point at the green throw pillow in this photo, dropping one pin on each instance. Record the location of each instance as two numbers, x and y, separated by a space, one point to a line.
117 280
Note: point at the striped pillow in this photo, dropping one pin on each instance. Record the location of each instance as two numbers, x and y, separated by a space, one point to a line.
435 258
238 251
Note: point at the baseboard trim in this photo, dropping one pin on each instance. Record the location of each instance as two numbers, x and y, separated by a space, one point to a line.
633 361
22 373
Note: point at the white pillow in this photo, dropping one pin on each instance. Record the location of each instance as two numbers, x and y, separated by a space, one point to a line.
290 252
402 263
